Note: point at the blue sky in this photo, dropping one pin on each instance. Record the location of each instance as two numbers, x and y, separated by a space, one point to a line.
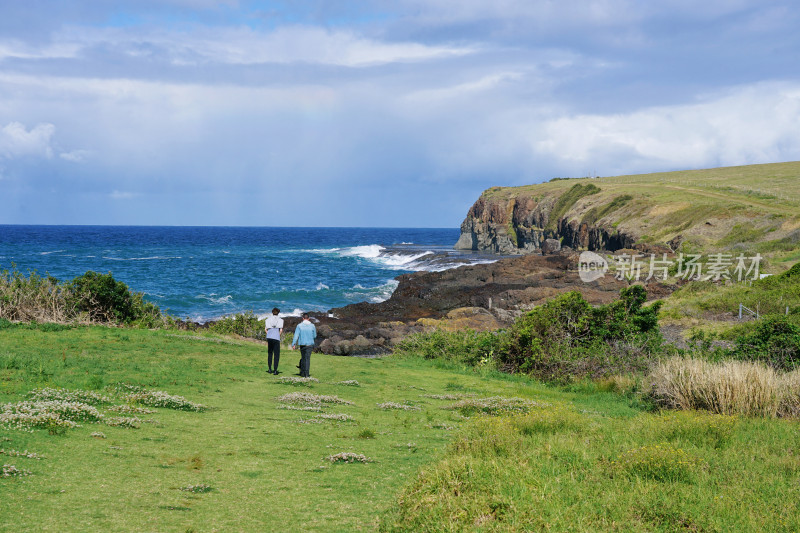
374 113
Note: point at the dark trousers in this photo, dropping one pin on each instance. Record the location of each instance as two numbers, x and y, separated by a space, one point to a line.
273 349
305 360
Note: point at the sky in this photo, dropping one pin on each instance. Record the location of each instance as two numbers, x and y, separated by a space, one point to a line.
374 113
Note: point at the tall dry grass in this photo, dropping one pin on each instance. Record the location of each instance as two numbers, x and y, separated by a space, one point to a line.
34 298
729 387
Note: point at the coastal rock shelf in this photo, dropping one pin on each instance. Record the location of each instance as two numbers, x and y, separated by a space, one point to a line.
481 297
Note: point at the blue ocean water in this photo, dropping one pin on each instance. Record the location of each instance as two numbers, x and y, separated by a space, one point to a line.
202 273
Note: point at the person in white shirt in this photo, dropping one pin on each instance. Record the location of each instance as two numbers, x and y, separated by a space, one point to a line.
274 327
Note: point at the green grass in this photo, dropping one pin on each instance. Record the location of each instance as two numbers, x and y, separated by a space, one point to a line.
565 470
576 459
266 470
710 307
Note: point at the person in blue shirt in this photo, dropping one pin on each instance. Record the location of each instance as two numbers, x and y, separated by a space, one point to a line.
305 334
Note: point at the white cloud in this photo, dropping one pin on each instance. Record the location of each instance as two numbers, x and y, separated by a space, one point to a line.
239 46
17 49
16 141
754 124
75 156
470 88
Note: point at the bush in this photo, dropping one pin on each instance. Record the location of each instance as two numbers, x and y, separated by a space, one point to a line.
48 304
774 340
105 299
245 324
567 337
463 346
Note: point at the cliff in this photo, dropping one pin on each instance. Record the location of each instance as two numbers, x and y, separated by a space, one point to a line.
753 208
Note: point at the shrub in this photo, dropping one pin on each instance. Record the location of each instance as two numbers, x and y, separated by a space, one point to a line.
567 337
105 299
774 340
464 346
245 324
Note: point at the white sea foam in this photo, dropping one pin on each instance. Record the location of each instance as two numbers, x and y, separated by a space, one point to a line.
321 286
378 294
155 257
402 261
53 252
215 298
369 251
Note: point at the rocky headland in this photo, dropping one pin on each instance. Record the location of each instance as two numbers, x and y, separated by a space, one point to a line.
544 227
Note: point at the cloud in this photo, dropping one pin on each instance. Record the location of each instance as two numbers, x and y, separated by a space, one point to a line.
752 124
75 156
199 103
16 141
231 46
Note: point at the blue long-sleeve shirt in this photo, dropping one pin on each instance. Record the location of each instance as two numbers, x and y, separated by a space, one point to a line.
304 334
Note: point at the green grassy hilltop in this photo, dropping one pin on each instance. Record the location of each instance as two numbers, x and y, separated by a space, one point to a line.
752 208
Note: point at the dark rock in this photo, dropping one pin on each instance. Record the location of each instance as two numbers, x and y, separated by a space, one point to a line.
551 246
485 296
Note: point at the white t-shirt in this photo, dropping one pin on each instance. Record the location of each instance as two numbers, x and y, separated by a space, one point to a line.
273 325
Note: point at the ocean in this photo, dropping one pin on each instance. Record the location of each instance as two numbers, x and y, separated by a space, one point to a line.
203 273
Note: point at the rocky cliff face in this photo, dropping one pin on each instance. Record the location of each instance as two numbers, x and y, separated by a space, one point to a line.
506 222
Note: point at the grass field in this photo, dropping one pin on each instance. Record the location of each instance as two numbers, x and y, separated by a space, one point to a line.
577 459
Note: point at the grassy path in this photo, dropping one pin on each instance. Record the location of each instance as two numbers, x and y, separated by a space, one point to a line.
266 468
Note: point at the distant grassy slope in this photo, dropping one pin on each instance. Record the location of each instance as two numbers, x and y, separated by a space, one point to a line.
749 208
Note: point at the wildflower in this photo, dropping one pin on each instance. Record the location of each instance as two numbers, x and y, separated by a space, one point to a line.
82 396
13 471
348 383
162 399
348 457
296 408
17 453
131 410
340 417
401 406
313 399
291 380
123 422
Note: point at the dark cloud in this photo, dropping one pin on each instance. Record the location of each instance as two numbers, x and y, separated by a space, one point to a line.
374 113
